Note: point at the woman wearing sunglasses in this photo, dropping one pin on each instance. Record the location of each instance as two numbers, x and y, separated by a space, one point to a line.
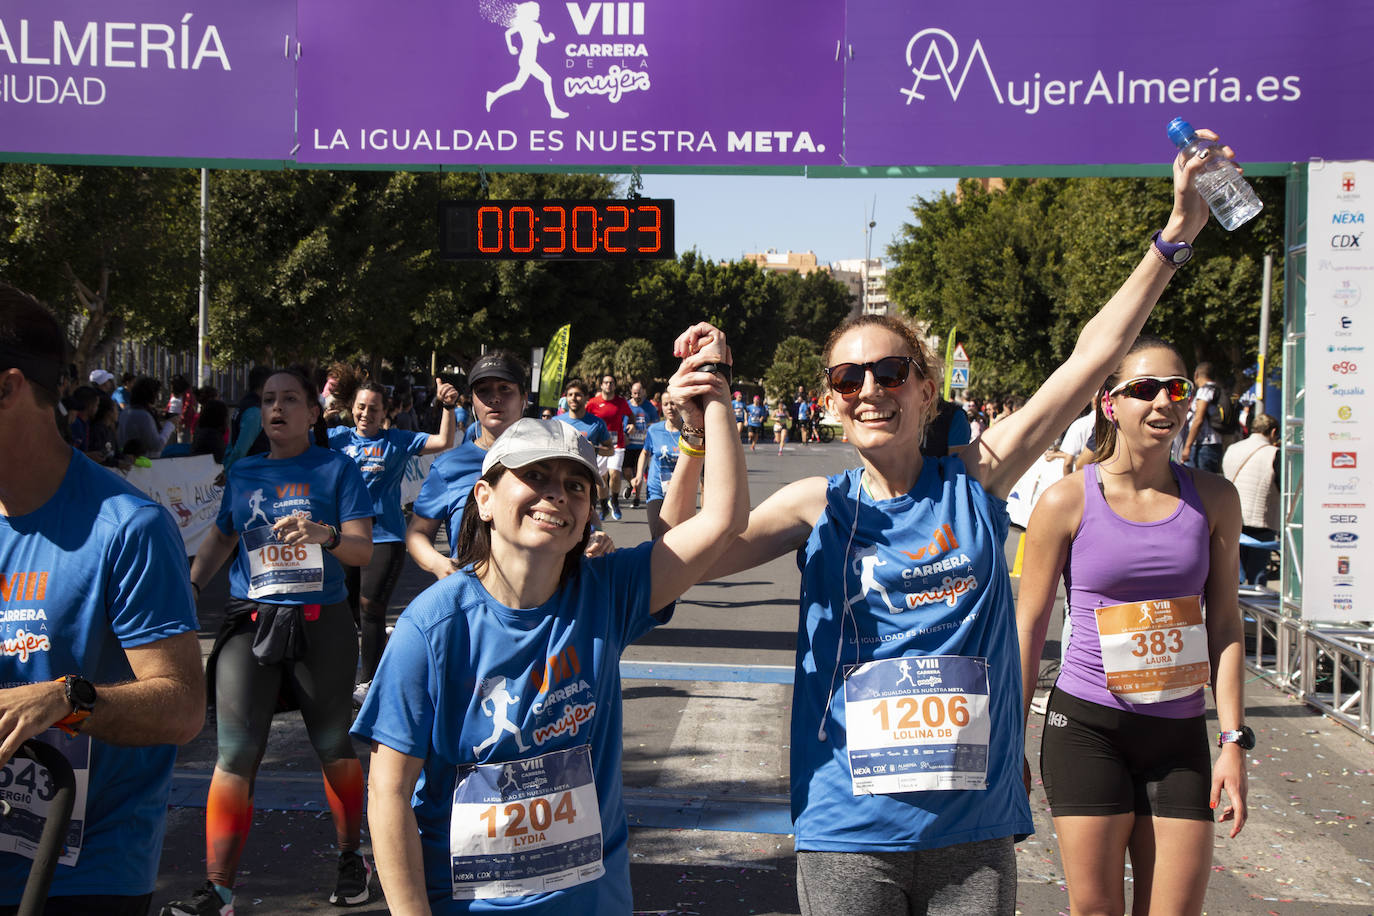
906 787
1147 550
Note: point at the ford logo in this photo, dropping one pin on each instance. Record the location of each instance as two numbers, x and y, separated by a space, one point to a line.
1344 537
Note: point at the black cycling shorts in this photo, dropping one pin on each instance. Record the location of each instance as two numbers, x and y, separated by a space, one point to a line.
1098 761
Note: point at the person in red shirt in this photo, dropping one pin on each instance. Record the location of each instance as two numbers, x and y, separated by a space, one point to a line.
614 411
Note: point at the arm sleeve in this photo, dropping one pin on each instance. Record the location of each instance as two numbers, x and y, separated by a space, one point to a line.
399 709
628 577
148 593
414 443
433 499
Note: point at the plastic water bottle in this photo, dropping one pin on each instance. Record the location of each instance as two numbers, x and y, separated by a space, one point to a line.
1230 196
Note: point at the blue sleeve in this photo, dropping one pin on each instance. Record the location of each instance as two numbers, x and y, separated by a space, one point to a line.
339 436
353 499
433 499
399 709
417 443
600 433
224 521
959 431
148 592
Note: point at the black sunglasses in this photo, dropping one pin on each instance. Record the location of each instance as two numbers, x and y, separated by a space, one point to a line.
890 372
1147 386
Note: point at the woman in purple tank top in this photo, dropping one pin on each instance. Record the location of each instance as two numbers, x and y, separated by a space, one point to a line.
1148 553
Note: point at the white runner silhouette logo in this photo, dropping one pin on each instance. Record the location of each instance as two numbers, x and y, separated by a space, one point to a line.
522 21
255 509
496 703
865 564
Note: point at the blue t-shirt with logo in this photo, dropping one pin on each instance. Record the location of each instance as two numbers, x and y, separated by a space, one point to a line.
662 445
756 414
738 406
645 415
592 427
447 486
321 482
97 569
924 575
466 680
382 460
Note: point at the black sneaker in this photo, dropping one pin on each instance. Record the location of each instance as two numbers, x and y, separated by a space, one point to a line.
615 510
355 875
206 901
605 510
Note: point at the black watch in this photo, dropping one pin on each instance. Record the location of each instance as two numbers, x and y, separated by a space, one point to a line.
1244 736
721 369
80 693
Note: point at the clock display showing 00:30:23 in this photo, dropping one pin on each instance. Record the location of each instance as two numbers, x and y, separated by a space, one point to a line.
589 230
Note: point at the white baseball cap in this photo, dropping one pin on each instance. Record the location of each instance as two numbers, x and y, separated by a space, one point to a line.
101 376
529 441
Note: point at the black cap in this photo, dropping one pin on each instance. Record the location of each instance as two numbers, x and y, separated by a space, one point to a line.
494 365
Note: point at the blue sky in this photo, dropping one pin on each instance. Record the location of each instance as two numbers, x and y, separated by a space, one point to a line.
726 216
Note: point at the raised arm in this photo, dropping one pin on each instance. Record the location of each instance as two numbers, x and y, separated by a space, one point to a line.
684 554
442 441
1003 453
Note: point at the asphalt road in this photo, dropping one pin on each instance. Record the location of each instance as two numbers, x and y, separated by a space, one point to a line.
705 769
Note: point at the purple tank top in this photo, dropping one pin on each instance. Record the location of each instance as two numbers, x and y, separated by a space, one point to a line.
1114 561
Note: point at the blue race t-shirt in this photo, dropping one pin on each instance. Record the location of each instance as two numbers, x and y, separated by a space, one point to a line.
738 406
926 585
460 417
591 427
662 446
96 569
382 461
467 681
447 487
645 415
756 414
320 482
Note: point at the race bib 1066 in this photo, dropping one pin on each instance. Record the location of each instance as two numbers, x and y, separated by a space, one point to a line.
526 827
281 569
918 723
1154 650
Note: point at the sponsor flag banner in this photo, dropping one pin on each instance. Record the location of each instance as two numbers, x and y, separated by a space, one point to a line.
711 82
148 78
1338 478
555 365
187 488
1009 83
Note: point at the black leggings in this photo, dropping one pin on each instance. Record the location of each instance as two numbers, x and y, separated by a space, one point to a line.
369 594
321 682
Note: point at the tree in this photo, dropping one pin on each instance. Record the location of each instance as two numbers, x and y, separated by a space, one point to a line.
1020 271
796 363
635 361
108 249
597 360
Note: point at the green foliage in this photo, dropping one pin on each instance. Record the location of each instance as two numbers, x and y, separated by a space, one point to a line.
796 362
635 361
598 358
1020 271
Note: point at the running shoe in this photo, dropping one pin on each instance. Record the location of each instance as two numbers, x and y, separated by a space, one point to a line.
605 509
206 901
360 693
634 504
627 492
355 876
615 510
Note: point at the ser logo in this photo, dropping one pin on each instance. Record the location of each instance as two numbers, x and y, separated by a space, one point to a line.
1342 519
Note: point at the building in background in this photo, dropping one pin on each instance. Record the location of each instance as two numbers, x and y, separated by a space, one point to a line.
866 279
797 262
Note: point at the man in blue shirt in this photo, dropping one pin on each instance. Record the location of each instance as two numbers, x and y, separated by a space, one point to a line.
98 629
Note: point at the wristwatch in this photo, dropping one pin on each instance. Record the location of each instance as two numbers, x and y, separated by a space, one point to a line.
334 537
1175 254
1244 736
81 694
721 369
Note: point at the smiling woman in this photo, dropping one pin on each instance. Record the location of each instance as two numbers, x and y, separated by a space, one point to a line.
501 682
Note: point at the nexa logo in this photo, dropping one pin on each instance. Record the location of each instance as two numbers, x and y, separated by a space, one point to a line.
1348 218
616 18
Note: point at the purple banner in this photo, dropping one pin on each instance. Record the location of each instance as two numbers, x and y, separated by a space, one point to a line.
699 83
1011 83
148 78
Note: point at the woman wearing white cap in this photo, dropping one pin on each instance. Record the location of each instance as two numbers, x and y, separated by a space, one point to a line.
497 704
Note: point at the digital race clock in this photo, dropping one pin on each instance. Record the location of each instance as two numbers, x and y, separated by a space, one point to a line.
556 230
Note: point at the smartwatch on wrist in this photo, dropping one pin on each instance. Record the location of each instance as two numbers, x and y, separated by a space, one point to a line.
1175 254
334 537
1244 736
721 369
81 695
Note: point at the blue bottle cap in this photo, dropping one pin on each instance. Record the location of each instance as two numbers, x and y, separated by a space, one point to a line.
1181 132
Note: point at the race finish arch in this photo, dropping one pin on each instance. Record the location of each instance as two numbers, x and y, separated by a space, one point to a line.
820 88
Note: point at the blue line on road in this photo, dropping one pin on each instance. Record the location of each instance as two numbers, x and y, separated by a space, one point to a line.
687 671
645 808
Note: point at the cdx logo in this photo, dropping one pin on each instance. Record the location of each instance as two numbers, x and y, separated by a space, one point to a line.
1346 241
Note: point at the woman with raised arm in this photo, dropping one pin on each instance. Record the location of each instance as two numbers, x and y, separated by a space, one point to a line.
906 726
495 716
1148 553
